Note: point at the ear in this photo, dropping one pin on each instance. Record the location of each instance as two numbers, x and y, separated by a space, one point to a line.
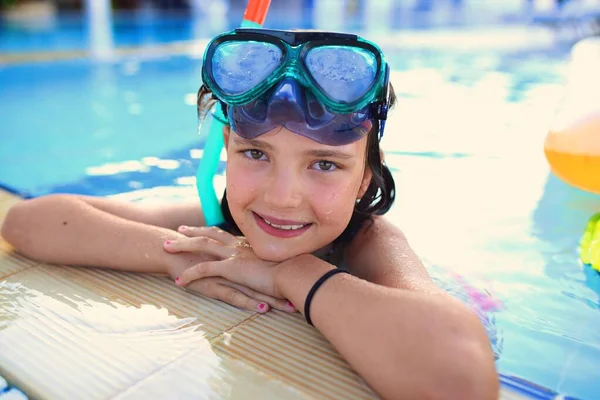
226 133
366 181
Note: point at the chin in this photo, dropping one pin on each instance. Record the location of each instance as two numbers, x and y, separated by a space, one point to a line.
273 255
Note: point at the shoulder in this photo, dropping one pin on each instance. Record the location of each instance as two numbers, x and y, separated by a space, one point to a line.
380 253
374 230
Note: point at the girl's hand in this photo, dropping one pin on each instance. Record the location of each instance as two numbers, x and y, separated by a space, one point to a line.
230 252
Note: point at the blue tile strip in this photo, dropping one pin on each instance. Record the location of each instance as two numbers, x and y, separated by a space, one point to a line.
10 393
531 389
12 190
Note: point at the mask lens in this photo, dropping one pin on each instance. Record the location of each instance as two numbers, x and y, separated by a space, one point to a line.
344 73
238 67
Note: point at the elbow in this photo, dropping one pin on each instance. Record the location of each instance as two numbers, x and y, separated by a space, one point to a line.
471 376
459 366
466 372
22 220
465 368
10 226
14 226
28 225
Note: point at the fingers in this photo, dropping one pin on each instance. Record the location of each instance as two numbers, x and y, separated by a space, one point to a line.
212 288
211 232
201 244
201 270
279 304
216 270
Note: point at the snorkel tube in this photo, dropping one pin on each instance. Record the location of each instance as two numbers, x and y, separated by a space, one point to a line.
212 129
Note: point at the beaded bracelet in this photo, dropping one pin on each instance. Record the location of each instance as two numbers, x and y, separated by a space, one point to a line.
316 286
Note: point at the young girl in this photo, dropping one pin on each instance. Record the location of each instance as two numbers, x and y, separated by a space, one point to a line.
306 190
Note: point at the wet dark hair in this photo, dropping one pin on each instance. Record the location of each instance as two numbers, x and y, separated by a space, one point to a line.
377 200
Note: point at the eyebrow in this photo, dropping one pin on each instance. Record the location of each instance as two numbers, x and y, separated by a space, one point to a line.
253 142
329 153
315 153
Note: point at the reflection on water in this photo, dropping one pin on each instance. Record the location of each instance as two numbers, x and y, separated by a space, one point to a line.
54 330
99 20
68 333
95 334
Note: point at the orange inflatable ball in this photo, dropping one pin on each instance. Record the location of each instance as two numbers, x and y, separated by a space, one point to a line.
573 150
572 146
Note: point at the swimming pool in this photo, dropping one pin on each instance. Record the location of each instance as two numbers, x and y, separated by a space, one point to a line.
475 197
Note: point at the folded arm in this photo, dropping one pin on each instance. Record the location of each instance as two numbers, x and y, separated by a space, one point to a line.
107 233
90 231
409 340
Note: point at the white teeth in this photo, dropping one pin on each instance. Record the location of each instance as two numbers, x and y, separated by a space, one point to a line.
285 227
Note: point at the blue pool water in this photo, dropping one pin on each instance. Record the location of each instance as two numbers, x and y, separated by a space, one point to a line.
475 196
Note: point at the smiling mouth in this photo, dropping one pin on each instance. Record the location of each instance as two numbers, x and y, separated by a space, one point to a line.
284 227
281 227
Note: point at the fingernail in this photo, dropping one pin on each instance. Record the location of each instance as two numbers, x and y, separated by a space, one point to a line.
183 228
262 307
168 243
290 305
178 279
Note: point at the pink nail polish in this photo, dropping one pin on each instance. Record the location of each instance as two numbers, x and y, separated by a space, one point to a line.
289 304
262 307
178 279
168 242
183 228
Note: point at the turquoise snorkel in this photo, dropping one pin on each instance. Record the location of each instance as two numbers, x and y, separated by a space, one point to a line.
212 129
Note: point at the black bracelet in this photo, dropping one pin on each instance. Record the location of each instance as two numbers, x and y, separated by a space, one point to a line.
316 286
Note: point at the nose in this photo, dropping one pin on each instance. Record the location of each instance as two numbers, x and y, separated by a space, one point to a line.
283 190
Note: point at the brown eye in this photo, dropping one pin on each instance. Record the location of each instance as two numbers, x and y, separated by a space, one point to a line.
325 165
254 154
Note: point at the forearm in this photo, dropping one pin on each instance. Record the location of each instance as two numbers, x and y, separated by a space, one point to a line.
73 232
404 344
168 216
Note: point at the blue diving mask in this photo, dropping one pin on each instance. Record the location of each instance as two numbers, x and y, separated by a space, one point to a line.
328 87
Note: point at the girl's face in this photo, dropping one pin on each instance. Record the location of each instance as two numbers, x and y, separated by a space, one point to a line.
290 195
